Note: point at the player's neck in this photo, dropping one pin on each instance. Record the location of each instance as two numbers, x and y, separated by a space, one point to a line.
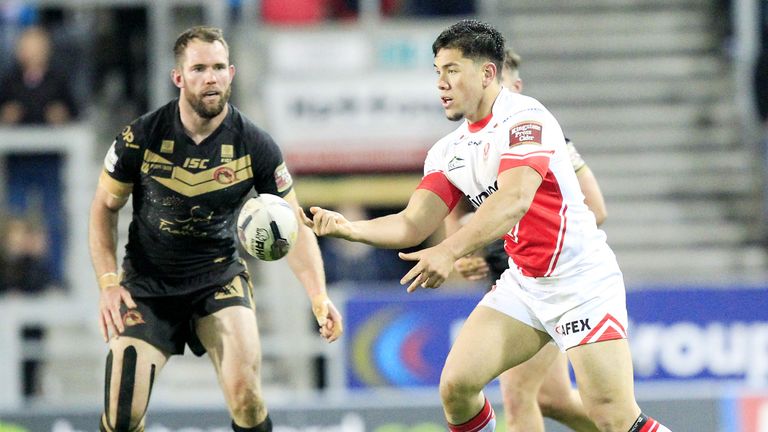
199 128
485 105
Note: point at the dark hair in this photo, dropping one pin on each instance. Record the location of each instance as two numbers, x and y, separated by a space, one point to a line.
204 33
511 59
476 40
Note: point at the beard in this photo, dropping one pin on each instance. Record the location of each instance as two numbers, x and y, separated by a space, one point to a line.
206 111
455 116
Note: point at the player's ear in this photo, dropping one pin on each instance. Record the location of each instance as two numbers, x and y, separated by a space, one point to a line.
518 85
231 71
489 73
178 81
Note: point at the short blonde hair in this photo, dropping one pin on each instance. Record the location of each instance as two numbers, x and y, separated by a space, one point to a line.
204 33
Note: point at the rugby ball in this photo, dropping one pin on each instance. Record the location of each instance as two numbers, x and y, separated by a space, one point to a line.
267 227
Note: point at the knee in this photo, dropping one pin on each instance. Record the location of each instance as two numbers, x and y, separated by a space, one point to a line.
456 388
557 408
245 401
612 415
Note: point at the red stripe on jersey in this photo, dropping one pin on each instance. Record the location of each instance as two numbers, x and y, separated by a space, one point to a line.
536 241
650 425
477 422
538 160
560 238
439 184
478 125
609 328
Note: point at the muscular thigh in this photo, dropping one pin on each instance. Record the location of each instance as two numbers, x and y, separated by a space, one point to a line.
533 372
489 343
131 369
603 371
231 338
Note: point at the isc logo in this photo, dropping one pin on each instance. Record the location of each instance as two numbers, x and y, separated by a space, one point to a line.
196 163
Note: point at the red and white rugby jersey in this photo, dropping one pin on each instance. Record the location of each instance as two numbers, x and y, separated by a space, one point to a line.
558 229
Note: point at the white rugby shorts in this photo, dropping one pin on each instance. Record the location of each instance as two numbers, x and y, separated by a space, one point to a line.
588 306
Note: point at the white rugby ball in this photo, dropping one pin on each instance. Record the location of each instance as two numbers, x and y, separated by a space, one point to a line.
267 227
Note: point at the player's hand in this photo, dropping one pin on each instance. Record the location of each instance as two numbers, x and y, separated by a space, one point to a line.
326 222
472 267
432 268
328 317
110 319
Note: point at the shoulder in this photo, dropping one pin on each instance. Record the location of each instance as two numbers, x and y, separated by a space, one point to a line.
146 125
248 131
524 115
514 106
452 138
441 148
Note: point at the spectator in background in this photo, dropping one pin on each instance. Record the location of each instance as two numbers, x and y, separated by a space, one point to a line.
349 9
24 267
14 17
32 92
434 8
121 59
761 69
761 87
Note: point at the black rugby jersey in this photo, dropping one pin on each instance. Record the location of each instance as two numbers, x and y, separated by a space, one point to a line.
185 196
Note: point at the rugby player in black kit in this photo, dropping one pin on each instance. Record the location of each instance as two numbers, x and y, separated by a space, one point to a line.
189 165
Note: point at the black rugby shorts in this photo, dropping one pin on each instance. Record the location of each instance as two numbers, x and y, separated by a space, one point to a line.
168 322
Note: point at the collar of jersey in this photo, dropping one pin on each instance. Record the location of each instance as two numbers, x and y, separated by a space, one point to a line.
227 123
479 125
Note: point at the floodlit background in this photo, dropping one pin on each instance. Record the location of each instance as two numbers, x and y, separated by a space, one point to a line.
666 100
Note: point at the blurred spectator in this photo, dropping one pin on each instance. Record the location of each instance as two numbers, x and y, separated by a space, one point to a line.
24 265
15 15
432 8
121 57
761 87
32 92
349 9
722 24
761 67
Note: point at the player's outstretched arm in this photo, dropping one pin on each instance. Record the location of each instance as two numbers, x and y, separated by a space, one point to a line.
306 263
109 198
421 217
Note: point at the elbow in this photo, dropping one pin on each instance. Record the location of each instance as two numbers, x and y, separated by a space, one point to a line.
417 237
600 216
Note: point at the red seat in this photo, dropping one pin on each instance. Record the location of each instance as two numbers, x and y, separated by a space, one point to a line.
293 11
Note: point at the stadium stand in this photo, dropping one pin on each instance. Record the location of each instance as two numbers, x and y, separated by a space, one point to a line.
646 92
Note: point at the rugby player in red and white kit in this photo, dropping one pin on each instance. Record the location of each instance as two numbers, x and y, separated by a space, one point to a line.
564 285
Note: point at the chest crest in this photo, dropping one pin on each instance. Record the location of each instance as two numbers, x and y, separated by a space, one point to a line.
206 178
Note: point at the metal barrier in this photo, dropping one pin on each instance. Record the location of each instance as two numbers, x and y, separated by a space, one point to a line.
75 143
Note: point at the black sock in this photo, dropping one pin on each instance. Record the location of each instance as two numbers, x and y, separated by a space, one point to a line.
265 426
